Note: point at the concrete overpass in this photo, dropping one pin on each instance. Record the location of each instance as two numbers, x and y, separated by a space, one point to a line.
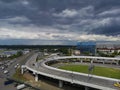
68 76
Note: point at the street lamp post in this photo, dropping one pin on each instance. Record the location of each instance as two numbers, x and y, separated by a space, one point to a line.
72 76
90 69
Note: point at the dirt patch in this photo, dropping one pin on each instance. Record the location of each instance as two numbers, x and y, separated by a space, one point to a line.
28 76
40 84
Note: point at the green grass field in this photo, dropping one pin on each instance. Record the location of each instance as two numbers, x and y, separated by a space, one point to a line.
100 71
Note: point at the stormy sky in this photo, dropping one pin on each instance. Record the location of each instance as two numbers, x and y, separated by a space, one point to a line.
59 22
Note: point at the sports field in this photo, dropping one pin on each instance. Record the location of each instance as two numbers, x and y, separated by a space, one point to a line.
97 70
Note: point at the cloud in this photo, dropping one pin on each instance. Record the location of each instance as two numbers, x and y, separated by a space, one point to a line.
93 37
25 2
19 19
23 34
110 12
106 26
67 13
7 34
7 1
69 36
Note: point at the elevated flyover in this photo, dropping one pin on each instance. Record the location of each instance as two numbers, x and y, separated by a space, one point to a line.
97 82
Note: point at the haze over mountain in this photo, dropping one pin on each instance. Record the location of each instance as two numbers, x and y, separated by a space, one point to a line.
58 22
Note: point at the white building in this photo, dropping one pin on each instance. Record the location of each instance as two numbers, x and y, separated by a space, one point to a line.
8 53
108 50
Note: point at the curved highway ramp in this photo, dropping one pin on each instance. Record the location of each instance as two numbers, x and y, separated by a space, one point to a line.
41 68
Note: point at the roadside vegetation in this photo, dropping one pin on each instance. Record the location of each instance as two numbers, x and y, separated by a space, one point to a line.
18 76
100 71
109 55
18 54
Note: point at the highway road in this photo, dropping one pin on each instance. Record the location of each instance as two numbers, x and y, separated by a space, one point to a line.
68 76
11 70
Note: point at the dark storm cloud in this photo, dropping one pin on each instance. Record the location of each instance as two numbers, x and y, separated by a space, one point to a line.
113 30
36 42
40 11
8 1
82 17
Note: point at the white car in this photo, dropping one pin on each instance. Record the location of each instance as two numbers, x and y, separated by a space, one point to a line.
21 86
15 66
6 71
3 68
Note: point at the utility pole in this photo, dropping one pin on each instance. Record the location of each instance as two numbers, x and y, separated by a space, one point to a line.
90 69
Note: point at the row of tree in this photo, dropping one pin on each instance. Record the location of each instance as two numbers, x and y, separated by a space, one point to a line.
115 53
18 54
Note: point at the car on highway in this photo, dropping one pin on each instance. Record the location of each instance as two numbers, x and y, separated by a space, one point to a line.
2 68
33 64
117 84
8 64
15 66
18 64
1 63
7 82
6 71
21 86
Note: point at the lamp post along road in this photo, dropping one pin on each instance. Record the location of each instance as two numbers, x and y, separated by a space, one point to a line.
90 69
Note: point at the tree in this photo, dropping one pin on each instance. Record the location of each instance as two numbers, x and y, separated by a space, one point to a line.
19 53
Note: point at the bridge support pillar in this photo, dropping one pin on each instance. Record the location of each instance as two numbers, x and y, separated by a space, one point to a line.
22 69
60 83
86 88
103 61
81 61
117 62
36 77
91 61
